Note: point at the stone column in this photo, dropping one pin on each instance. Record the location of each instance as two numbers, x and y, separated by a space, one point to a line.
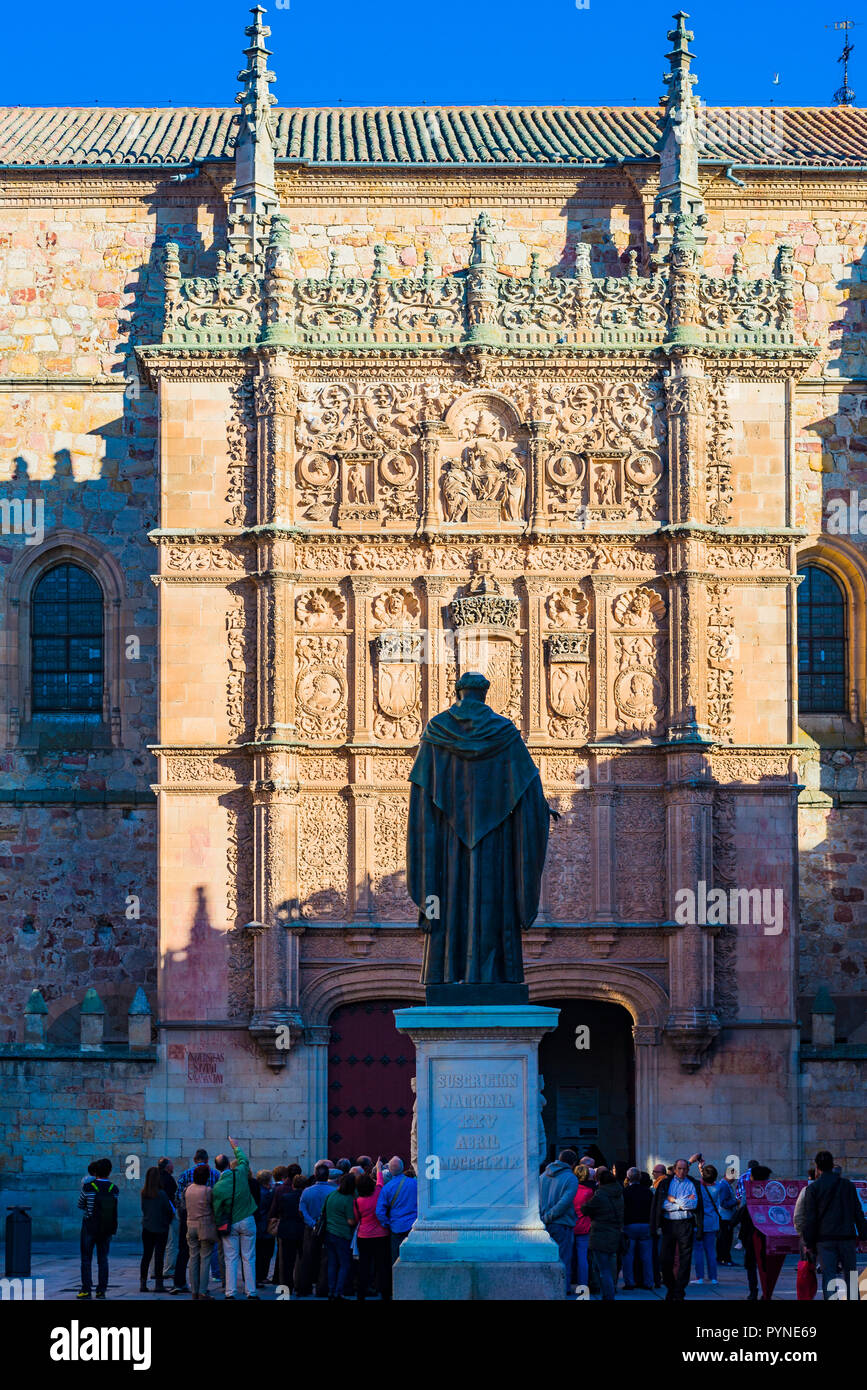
362 813
686 403
276 924
316 1041
431 432
537 588
436 588
604 863
601 721
537 453
646 1039
361 709
692 1023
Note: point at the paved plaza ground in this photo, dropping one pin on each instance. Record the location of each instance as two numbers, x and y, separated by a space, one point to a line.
57 1262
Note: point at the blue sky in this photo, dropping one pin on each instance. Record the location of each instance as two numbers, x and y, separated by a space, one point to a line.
330 52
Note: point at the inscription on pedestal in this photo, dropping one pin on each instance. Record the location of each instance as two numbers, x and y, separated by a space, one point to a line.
478 1132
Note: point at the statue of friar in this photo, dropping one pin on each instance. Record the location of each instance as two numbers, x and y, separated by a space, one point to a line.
476 842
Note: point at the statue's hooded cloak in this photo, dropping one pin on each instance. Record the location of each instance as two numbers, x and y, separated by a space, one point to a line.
476 842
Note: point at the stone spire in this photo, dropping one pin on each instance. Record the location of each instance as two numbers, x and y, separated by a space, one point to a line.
678 204
254 198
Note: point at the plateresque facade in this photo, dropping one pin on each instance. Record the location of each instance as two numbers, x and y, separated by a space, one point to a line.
332 406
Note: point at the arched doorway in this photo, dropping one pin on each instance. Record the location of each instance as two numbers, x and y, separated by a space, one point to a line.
370 1068
589 1091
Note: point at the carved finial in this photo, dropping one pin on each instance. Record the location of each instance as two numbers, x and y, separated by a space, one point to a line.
483 241
679 192
254 199
379 268
582 261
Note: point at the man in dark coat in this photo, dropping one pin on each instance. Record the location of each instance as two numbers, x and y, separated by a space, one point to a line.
832 1223
476 842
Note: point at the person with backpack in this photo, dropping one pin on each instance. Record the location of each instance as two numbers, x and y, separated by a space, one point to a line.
397 1204
157 1215
234 1212
180 1273
832 1223
98 1201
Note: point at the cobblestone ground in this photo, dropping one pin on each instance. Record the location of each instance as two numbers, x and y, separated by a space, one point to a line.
58 1264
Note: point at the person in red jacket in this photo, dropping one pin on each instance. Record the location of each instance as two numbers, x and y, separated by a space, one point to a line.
585 1190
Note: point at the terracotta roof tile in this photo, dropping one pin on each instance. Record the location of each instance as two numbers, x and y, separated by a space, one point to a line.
83 136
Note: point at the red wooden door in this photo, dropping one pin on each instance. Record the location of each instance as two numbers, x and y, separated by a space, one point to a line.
370 1066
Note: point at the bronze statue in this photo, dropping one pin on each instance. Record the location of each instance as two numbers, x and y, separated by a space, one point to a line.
476 842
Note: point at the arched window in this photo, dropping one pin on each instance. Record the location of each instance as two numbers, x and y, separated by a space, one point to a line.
821 644
67 642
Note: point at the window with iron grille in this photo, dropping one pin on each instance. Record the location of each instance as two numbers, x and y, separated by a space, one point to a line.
67 642
821 644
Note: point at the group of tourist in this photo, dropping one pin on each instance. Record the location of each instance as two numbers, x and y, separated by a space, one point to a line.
335 1233
650 1226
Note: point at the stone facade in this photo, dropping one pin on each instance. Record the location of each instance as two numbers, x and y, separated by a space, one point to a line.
364 428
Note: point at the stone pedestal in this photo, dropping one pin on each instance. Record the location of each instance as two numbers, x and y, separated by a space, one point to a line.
478 1233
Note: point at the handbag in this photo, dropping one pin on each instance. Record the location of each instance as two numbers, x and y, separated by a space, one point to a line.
226 1228
321 1222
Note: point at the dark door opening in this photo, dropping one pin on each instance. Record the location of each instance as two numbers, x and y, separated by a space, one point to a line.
370 1067
590 1091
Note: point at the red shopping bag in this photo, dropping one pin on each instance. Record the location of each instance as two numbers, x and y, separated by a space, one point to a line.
806 1283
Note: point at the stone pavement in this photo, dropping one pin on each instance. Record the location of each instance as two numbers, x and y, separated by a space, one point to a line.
57 1262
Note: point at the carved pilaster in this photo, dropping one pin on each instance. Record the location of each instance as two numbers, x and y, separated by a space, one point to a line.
436 588
276 1021
604 876
362 819
603 718
361 727
686 402
276 398
431 432
537 589
273 609
537 450
692 1023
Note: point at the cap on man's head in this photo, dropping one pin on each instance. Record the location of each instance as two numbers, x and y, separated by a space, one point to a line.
473 680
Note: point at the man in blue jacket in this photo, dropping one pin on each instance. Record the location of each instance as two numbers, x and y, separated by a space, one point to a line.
397 1204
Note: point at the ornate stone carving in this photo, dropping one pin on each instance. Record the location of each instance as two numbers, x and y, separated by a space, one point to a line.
396 608
323 862
720 671
569 685
241 441
484 605
483 477
391 900
568 608
320 609
398 685
321 687
239 695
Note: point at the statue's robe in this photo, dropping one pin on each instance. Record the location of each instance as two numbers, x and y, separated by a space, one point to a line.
476 842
